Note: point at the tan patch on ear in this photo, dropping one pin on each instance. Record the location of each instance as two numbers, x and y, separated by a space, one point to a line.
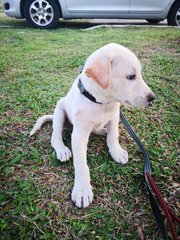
100 71
97 75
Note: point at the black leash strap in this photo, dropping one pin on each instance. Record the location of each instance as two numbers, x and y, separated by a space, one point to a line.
151 187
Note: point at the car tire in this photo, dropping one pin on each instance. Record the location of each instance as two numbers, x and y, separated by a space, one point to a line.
153 21
43 14
174 15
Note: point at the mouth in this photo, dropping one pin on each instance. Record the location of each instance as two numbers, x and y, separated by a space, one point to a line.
145 105
149 104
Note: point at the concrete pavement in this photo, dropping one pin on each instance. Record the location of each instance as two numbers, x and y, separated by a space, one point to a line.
126 22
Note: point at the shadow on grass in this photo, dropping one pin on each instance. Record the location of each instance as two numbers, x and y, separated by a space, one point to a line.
7 22
21 24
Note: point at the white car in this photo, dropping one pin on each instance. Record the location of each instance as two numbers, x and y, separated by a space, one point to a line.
46 13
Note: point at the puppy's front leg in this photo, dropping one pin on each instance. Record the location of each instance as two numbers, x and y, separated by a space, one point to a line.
82 194
63 153
116 151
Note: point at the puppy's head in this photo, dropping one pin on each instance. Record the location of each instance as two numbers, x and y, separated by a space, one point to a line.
117 71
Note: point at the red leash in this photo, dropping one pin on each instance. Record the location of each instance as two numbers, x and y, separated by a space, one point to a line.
152 188
169 214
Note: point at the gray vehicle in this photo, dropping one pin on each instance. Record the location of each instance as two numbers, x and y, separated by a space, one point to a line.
46 13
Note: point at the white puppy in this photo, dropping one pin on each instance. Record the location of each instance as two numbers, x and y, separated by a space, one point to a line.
111 76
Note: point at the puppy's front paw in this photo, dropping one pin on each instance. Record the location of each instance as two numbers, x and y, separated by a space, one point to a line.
63 153
82 195
118 154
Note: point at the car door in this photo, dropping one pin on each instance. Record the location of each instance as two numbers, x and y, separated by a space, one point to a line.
97 8
148 6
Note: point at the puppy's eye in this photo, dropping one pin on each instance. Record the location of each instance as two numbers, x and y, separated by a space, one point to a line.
131 77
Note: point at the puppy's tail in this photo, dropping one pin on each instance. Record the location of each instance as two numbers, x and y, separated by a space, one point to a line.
40 122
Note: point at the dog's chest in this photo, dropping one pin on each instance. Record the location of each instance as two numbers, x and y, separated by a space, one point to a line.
98 115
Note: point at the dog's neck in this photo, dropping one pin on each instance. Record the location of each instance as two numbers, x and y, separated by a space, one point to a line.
86 93
93 92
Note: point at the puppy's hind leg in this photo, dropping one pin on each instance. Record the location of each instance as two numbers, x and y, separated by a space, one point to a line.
100 132
63 153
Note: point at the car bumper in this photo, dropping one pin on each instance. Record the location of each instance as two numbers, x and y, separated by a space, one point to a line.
12 8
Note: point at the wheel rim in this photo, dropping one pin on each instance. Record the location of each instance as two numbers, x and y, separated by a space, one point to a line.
41 12
178 17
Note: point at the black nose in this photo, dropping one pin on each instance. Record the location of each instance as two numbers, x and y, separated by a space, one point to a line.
150 97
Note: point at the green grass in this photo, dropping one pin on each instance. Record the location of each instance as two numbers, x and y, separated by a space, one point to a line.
37 67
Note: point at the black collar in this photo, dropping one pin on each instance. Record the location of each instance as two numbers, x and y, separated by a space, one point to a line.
86 93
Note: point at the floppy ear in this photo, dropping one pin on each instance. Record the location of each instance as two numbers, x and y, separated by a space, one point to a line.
99 69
